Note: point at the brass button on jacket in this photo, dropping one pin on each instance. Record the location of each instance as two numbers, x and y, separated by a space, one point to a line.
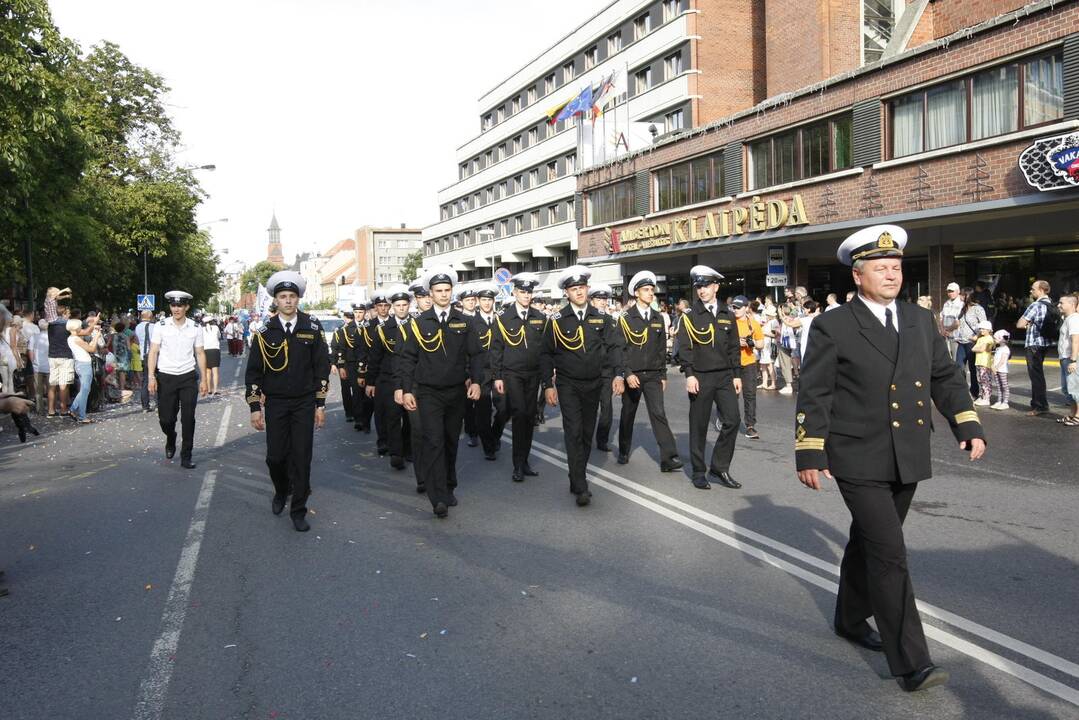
895 423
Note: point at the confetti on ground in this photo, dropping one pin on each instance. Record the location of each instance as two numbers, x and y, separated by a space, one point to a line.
409 655
148 587
229 646
118 619
442 632
633 679
423 636
31 547
378 572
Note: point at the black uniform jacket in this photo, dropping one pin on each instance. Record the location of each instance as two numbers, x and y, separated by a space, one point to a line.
513 350
644 345
439 355
484 334
864 395
384 343
288 367
581 350
707 343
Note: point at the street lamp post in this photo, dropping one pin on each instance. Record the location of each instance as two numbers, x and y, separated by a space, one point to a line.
489 234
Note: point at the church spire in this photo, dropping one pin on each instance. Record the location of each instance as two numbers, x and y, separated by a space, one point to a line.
274 252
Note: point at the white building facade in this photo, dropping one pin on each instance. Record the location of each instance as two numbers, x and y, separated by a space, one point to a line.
513 203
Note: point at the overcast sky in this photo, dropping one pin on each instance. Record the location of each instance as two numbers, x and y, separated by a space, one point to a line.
336 113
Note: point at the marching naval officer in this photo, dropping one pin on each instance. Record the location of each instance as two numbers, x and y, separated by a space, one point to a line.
175 350
484 410
711 359
289 366
864 419
644 360
599 295
341 348
380 376
439 358
515 348
580 346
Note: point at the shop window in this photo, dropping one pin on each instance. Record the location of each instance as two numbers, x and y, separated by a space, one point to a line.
993 102
610 203
696 181
805 152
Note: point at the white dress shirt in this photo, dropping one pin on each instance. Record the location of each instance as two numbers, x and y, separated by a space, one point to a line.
177 345
878 311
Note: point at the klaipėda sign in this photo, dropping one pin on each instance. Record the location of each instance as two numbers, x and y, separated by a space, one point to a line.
758 216
1052 163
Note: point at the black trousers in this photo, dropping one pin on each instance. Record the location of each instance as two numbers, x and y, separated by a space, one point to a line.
346 395
395 421
362 406
580 405
441 410
651 390
873 577
144 387
716 389
1039 399
520 407
383 400
606 415
290 436
178 394
485 418
749 394
415 433
471 426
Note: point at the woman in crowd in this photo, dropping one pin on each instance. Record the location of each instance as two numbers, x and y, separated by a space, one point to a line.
9 343
969 318
84 369
120 346
39 356
211 343
136 360
770 328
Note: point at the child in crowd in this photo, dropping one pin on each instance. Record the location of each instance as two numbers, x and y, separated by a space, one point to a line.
983 349
1000 368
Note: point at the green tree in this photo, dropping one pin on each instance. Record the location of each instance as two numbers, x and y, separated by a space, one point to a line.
258 275
413 264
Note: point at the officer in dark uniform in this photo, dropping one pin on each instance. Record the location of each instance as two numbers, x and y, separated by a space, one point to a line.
380 376
711 359
870 372
423 302
644 361
440 357
580 346
340 353
289 368
465 300
380 404
515 349
484 410
363 407
599 295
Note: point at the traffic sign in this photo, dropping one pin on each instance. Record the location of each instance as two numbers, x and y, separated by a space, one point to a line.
777 260
775 280
144 302
502 276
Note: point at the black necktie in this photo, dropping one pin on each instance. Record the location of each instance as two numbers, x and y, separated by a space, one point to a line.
888 321
712 309
489 321
580 315
646 316
288 328
442 318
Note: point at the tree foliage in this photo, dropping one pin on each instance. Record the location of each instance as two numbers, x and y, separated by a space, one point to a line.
411 269
258 275
88 172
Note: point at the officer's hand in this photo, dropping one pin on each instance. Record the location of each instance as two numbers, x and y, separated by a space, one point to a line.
257 422
663 385
409 401
633 381
474 391
976 447
500 387
370 391
342 373
399 397
618 386
811 478
692 385
738 386
320 417
151 384
362 382
204 388
552 396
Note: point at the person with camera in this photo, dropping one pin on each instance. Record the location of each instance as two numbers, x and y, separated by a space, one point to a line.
176 347
84 368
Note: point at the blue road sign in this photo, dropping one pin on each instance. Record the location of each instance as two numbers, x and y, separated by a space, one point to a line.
502 276
144 302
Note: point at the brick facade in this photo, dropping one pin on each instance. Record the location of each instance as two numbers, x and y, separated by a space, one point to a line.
952 15
729 55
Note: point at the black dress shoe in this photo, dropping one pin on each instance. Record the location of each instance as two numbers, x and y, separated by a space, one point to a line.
473 440
421 488
187 463
623 458
528 471
603 447
349 419
927 677
357 427
300 524
396 462
498 444
366 428
584 498
671 465
701 483
382 451
452 502
726 480
170 446
441 510
278 503
518 475
870 639
490 456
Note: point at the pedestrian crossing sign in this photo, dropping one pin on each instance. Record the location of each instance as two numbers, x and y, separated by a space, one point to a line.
144 302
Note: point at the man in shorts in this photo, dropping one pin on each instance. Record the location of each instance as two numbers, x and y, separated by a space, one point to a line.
61 362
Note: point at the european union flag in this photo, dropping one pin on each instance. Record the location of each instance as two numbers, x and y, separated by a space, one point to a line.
580 104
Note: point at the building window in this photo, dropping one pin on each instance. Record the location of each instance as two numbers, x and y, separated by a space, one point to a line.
515 106
878 24
533 137
805 152
670 9
500 154
610 203
503 228
533 177
518 223
552 171
673 121
503 189
614 43
475 165
672 65
518 183
487 121
567 72
516 144
475 201
552 214
591 57
1001 100
445 212
500 113
533 219
531 95
548 84
698 180
571 163
641 26
642 80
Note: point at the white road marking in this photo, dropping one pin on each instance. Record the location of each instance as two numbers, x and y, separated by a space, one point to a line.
621 486
154 688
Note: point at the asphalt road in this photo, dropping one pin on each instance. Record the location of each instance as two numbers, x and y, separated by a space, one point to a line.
142 590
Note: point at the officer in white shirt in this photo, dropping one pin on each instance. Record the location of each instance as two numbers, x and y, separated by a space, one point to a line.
175 349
